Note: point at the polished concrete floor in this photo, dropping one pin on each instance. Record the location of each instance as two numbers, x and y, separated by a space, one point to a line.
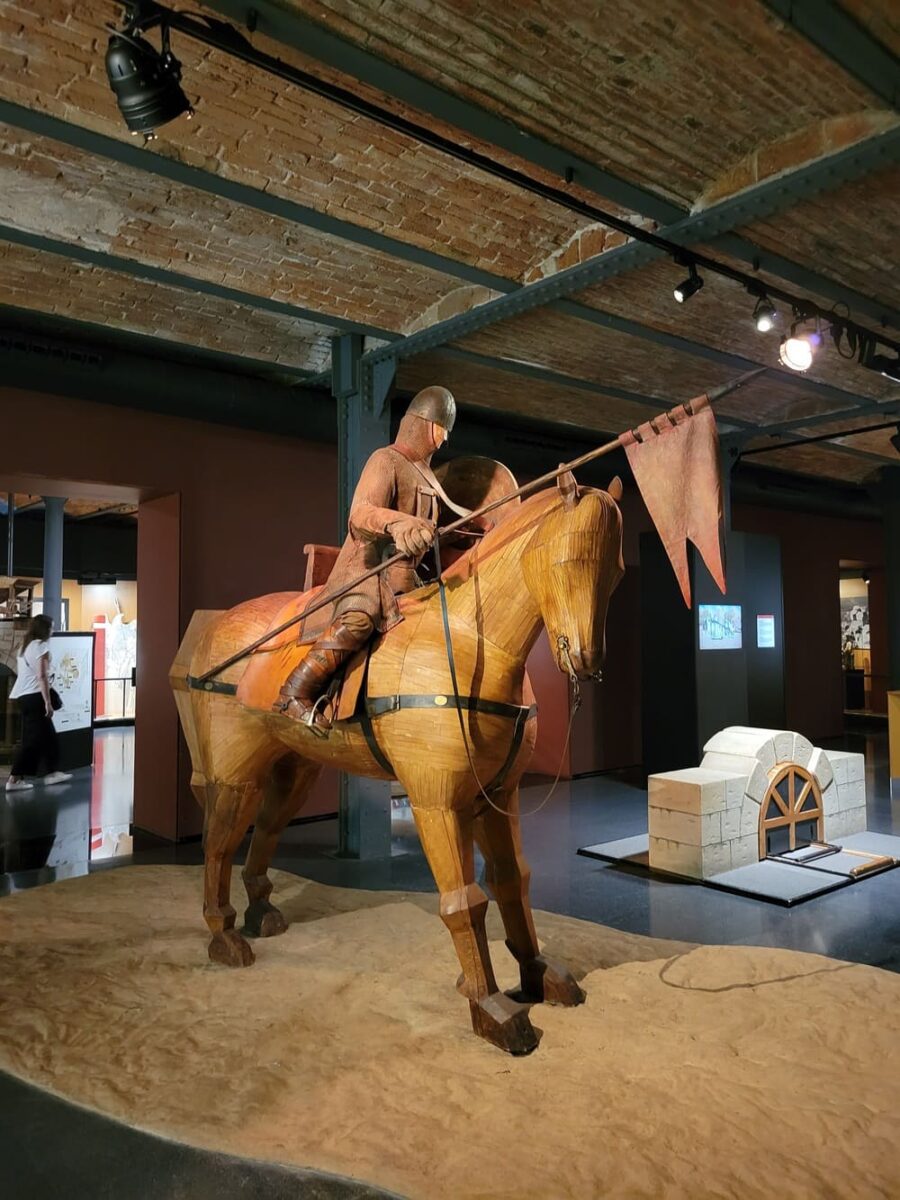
52 833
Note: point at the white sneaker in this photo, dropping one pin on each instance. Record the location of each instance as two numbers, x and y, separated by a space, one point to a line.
56 777
21 785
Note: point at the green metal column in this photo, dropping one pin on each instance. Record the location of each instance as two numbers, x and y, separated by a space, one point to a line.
54 509
363 426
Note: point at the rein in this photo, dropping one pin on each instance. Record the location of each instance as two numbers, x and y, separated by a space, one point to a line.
562 649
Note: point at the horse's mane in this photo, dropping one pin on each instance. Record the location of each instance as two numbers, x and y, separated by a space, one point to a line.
518 520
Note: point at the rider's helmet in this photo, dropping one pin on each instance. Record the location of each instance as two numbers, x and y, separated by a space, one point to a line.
434 404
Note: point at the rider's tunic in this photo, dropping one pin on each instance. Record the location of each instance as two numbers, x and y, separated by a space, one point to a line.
389 485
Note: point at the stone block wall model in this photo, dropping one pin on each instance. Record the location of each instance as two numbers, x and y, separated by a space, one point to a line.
705 820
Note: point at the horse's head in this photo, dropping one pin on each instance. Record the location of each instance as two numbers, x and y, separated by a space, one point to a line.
571 565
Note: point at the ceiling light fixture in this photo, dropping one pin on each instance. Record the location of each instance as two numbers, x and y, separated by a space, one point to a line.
797 350
688 287
765 315
145 81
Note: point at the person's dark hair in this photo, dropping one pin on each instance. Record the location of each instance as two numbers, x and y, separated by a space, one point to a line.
39 630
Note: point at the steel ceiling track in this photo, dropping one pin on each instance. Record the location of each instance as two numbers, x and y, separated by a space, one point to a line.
316 42
733 430
131 155
837 34
138 158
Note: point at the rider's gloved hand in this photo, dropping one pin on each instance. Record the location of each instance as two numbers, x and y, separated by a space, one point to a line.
411 535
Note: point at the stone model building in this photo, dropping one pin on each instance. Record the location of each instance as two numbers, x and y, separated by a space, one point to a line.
756 792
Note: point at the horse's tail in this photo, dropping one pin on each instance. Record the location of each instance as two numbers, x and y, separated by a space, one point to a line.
179 676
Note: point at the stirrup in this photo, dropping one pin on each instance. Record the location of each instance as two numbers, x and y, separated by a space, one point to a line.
310 719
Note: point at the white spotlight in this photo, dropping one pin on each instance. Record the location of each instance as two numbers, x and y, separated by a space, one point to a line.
797 350
765 315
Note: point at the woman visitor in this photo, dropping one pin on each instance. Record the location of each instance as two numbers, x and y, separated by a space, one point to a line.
32 691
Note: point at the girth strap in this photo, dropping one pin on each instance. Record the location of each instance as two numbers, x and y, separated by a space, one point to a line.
377 706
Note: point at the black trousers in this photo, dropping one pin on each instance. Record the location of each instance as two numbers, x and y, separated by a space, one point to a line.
39 739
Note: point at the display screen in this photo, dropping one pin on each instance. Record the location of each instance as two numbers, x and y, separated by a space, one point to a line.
720 626
765 631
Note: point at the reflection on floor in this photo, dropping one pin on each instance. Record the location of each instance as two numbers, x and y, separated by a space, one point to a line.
53 833
54 1149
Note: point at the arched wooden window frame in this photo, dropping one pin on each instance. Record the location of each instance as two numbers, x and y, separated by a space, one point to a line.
790 813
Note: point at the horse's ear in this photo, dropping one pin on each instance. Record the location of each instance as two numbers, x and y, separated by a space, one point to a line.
615 489
568 488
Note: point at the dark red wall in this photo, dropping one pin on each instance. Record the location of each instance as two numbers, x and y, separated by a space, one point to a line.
248 504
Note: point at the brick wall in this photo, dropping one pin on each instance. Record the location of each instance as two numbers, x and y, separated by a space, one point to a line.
266 134
51 284
665 95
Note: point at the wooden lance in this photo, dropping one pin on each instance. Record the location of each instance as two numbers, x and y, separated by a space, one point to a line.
656 424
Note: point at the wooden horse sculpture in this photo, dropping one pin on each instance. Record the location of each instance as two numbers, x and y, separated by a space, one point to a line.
552 561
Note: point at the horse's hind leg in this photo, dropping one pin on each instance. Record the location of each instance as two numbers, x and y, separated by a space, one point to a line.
228 811
290 783
446 837
508 875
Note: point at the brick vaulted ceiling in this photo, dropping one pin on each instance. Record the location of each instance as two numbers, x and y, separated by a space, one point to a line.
279 218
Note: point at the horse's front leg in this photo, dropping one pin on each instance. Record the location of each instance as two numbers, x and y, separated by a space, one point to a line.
446 836
508 875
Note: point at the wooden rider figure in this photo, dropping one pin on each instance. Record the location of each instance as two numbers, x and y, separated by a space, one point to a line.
394 510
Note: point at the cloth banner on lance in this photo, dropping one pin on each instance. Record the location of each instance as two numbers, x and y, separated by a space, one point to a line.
675 461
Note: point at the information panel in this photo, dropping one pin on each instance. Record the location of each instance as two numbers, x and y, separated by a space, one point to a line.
765 631
720 626
72 674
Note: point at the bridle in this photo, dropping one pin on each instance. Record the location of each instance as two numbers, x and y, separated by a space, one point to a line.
562 649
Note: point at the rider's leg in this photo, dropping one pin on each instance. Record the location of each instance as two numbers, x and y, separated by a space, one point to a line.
305 684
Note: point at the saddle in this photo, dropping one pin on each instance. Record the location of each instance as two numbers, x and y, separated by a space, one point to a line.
269 666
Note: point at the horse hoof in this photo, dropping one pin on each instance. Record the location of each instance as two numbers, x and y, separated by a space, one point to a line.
262 919
544 979
231 950
504 1023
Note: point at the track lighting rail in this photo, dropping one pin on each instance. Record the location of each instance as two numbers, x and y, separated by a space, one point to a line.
144 15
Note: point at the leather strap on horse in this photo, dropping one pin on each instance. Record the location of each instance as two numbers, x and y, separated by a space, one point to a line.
378 706
518 732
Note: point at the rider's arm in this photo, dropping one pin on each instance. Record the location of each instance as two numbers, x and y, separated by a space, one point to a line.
371 511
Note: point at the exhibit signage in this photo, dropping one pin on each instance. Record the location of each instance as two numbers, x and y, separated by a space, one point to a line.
72 674
765 631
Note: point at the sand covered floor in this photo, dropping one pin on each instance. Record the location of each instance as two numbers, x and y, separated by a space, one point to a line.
690 1072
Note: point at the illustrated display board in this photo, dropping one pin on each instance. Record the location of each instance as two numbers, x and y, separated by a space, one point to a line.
720 626
765 631
72 674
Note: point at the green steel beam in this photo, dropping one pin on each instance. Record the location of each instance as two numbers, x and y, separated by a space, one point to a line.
186 283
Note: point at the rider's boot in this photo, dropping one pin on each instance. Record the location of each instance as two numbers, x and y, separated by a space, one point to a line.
307 682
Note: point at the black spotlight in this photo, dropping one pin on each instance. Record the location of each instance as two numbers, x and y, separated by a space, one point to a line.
146 82
689 287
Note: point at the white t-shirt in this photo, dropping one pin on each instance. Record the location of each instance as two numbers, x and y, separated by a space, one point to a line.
29 681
